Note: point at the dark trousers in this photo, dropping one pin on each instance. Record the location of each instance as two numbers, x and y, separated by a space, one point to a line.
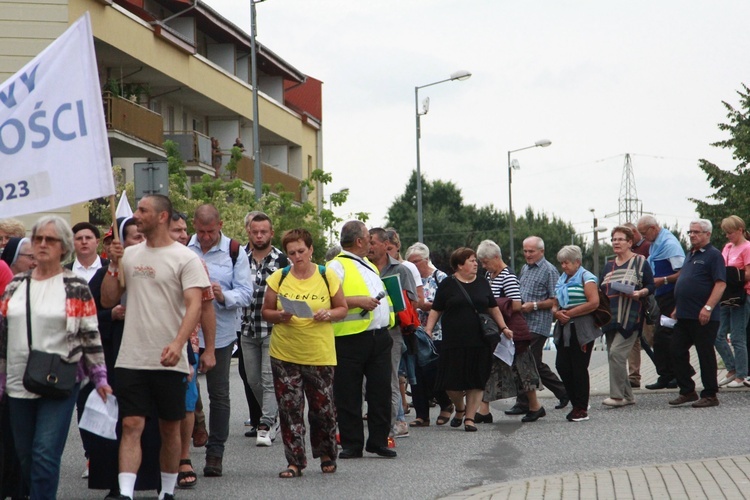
252 404
687 333
423 391
365 355
572 364
662 358
546 375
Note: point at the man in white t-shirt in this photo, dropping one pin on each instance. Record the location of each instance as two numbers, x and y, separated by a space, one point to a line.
164 281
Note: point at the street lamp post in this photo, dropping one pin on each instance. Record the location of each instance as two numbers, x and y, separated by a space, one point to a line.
257 173
543 143
460 76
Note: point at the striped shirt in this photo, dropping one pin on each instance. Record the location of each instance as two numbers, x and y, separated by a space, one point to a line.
505 284
538 282
576 294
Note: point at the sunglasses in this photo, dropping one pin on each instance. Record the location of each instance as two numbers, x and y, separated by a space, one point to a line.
46 239
179 215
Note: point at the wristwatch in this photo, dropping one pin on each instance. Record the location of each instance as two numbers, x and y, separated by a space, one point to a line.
707 308
536 306
666 280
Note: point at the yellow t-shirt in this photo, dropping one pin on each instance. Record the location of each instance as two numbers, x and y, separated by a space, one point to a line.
305 341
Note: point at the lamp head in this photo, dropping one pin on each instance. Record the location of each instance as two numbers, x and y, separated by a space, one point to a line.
543 143
515 165
461 75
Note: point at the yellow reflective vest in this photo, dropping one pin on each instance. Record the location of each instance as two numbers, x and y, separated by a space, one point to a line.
353 285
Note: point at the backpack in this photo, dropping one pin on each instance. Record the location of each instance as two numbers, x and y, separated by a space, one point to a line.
321 270
234 249
408 319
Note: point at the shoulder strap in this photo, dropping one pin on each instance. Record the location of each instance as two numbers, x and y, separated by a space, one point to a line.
360 261
28 311
465 294
234 250
284 272
322 271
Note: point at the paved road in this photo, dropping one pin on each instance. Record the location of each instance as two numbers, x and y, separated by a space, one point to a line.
439 461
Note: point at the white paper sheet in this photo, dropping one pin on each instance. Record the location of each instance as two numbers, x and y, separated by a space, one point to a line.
505 350
626 288
667 322
98 417
297 307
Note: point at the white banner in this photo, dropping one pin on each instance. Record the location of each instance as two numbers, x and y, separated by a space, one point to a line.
53 138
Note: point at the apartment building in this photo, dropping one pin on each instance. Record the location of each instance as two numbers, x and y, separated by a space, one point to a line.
178 70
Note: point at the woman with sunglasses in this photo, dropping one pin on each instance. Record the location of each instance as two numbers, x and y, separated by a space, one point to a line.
63 321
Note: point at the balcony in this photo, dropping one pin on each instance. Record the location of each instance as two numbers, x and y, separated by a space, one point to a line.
195 151
270 175
134 131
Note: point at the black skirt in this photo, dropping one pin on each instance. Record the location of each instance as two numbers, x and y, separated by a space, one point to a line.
463 368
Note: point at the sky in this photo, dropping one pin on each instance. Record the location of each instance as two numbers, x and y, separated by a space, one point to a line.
598 79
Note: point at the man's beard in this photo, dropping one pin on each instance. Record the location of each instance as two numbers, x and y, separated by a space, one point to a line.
262 246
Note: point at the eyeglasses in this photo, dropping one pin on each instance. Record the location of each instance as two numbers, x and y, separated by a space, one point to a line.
46 239
615 240
29 255
695 232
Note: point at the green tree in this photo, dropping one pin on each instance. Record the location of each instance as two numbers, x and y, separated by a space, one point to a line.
449 223
732 187
234 201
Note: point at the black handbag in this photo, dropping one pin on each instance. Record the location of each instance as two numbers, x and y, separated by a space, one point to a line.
489 328
46 374
734 293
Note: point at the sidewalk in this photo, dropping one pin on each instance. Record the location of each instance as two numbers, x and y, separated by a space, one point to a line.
715 478
706 479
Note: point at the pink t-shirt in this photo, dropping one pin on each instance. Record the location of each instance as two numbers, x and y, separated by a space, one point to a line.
5 276
738 256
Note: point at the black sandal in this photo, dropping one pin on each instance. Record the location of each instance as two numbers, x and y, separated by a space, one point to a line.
186 479
470 427
455 421
441 420
289 473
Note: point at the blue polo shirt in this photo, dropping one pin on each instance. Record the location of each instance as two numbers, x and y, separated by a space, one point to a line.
702 269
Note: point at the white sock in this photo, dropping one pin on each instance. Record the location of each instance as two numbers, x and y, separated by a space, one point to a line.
127 483
168 480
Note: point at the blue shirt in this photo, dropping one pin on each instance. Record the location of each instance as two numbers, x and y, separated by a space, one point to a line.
702 269
235 285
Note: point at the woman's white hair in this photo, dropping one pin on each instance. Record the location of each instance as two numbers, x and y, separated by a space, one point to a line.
63 231
488 249
570 253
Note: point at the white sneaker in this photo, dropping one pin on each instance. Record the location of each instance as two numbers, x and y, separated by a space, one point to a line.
726 380
400 429
266 437
735 385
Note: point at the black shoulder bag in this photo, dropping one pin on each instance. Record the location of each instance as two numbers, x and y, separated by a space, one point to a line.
46 373
490 329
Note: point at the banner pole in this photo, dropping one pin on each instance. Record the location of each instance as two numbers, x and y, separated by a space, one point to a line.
116 236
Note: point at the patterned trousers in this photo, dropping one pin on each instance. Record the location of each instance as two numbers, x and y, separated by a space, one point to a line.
292 382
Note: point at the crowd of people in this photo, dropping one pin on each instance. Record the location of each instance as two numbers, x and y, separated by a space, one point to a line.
332 337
